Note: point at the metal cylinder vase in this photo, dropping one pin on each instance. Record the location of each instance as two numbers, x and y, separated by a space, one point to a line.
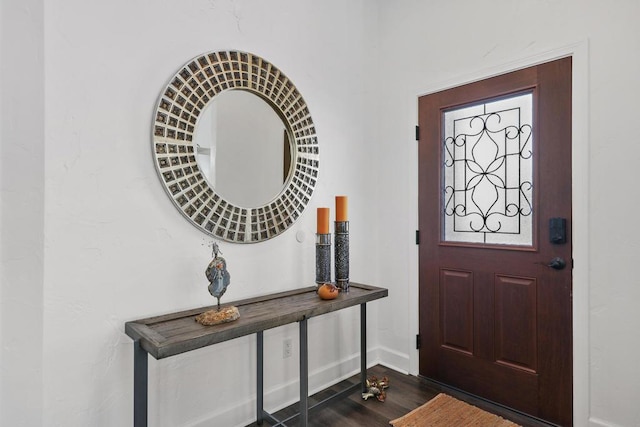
323 258
342 255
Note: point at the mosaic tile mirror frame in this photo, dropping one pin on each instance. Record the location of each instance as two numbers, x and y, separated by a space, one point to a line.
180 105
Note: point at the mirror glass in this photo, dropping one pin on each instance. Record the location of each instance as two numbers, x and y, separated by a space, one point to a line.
243 148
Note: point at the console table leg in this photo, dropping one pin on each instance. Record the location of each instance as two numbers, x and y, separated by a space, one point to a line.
304 374
363 346
260 378
140 385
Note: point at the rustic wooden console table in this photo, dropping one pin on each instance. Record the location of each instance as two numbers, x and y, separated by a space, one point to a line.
175 333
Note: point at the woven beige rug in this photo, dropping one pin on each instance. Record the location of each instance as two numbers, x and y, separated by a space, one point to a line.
445 411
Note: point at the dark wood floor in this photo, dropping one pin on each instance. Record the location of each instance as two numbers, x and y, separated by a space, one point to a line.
405 393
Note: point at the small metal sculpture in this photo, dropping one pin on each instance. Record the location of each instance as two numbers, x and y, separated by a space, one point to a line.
376 388
216 272
219 279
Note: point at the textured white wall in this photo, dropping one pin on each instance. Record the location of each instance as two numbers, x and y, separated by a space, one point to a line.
112 247
427 43
117 249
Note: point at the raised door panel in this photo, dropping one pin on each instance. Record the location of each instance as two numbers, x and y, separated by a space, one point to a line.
516 322
456 310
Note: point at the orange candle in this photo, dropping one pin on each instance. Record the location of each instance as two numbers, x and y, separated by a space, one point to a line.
341 208
323 221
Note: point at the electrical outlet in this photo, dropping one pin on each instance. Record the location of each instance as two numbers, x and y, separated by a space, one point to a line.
286 348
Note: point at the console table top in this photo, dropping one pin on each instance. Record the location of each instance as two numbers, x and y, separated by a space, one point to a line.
175 333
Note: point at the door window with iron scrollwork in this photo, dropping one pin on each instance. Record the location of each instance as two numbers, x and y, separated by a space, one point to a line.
487 172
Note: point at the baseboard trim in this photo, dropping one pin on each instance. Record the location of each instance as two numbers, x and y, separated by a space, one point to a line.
394 359
597 422
286 394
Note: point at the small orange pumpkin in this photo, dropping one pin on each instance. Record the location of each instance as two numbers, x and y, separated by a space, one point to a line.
328 291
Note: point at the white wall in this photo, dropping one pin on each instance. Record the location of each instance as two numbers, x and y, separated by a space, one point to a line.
116 249
90 240
21 211
426 45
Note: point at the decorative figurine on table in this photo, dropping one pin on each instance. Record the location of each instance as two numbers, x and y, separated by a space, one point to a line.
216 272
219 279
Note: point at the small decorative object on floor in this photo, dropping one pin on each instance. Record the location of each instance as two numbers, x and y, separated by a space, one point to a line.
341 253
219 280
328 291
376 388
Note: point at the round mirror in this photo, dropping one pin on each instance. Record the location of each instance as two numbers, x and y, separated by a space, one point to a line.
243 148
182 108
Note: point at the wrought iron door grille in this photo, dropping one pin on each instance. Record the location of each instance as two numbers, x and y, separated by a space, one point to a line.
488 172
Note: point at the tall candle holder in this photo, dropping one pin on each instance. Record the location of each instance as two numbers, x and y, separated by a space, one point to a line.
323 258
341 255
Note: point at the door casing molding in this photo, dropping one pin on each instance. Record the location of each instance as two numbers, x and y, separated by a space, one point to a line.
579 52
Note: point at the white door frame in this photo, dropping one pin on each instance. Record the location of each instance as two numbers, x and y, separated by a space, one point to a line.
580 203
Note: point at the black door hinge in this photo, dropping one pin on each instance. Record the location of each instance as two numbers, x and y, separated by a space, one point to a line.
417 237
417 133
418 343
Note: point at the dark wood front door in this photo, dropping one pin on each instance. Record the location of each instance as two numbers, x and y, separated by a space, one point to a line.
495 229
